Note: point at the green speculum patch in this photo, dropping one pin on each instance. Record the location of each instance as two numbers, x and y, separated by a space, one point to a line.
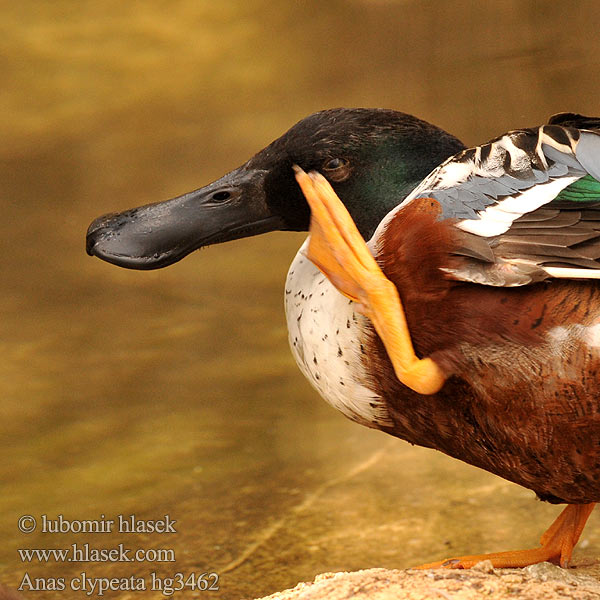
586 189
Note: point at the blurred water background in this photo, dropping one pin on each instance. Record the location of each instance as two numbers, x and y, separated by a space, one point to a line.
174 392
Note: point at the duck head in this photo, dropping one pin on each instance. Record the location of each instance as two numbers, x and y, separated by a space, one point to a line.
372 157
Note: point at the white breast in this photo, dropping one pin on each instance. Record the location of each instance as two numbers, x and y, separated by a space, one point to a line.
326 336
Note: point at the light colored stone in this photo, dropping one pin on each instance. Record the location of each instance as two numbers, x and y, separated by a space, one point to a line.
544 582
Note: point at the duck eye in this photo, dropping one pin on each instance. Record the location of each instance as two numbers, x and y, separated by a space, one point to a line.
221 196
334 163
337 169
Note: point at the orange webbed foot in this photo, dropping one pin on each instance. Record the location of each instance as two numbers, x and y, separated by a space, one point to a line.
557 545
339 251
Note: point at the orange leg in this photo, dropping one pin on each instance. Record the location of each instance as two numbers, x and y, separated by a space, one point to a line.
557 545
339 251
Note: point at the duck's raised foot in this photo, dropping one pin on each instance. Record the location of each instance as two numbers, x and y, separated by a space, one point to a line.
339 251
557 545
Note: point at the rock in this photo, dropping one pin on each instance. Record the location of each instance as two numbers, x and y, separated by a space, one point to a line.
543 581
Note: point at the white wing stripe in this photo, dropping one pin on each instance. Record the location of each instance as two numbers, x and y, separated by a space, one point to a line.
572 273
492 220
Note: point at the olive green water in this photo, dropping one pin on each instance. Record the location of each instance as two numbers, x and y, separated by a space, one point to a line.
173 392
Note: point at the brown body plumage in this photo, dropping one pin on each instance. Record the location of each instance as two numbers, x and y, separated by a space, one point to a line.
523 395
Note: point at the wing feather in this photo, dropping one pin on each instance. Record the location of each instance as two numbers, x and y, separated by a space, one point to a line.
527 203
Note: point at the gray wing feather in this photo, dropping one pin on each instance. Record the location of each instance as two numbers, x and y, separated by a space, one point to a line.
588 153
518 175
509 165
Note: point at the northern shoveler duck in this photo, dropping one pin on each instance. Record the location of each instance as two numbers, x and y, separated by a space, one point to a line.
469 323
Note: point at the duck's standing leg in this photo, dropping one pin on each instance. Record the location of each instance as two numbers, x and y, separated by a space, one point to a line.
337 248
557 545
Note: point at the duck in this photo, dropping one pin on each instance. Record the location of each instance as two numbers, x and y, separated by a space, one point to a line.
468 322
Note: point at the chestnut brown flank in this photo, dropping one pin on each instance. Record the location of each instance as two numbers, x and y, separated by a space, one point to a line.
522 400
